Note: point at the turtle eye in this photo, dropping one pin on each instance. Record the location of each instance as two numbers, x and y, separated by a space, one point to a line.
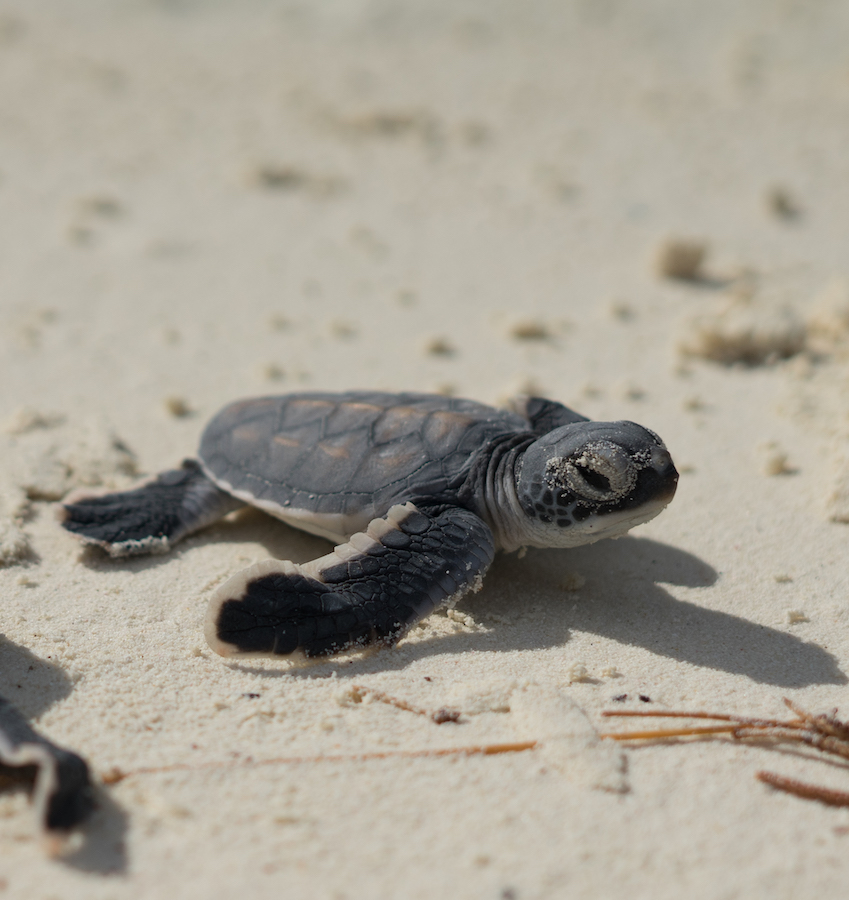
601 471
594 479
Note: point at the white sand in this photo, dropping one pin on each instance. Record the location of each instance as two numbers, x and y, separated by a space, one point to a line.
201 201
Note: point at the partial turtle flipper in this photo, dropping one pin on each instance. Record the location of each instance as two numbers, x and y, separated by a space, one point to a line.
370 590
151 518
63 794
545 415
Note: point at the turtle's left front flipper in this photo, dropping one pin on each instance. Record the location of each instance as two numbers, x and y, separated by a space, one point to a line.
371 590
63 793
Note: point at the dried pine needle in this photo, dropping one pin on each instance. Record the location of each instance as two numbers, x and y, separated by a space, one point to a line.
825 733
803 789
116 775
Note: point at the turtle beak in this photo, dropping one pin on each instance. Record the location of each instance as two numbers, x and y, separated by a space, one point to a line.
665 474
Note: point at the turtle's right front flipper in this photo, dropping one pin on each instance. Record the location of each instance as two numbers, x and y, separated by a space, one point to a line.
371 590
151 518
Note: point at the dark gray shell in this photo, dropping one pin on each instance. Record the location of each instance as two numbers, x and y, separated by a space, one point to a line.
352 454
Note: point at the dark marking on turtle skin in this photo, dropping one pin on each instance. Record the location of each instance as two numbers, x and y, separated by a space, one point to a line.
384 448
373 597
150 518
63 792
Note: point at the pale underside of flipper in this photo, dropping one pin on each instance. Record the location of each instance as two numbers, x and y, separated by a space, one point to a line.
151 518
371 590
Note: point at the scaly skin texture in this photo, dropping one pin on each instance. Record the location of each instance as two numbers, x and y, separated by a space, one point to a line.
151 518
369 597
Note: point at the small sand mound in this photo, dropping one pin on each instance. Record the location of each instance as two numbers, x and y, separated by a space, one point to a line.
838 499
680 258
14 544
828 319
477 697
567 740
745 333
45 463
26 419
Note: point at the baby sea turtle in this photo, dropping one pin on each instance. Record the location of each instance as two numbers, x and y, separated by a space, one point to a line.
420 491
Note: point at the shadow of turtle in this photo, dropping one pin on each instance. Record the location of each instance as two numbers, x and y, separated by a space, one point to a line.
103 847
247 525
31 683
622 599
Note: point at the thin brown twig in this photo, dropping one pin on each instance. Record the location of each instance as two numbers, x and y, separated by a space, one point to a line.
804 790
684 714
825 733
826 744
828 724
662 733
440 716
113 776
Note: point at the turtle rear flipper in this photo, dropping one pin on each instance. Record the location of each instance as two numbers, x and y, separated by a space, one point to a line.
63 794
151 518
370 590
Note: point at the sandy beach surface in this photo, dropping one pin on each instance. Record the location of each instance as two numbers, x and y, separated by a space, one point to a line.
638 209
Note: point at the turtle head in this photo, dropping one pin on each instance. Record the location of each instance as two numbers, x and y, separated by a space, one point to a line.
592 480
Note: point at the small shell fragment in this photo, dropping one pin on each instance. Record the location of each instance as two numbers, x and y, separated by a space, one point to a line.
750 334
342 329
828 319
177 407
439 346
279 323
14 544
445 389
277 177
694 403
838 499
621 311
774 460
572 581
577 671
530 330
272 372
26 419
681 258
456 616
781 203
